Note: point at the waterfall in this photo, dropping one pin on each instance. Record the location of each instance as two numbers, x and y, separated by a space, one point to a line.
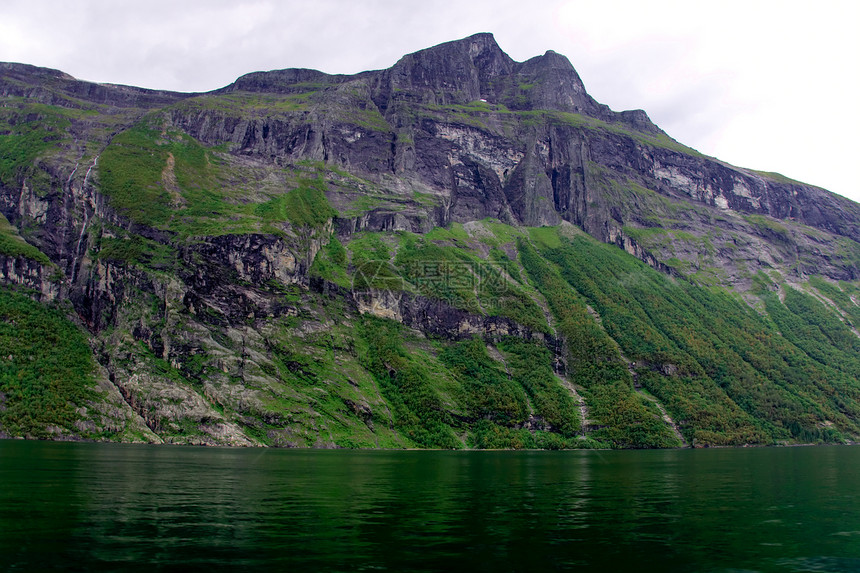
87 176
69 180
77 251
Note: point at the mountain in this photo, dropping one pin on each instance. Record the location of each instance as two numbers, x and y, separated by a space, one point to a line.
460 251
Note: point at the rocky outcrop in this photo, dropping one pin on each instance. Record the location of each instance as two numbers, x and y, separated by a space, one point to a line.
53 87
42 279
227 333
255 259
487 157
440 319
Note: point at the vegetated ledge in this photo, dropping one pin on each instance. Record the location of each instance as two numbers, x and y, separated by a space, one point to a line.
192 326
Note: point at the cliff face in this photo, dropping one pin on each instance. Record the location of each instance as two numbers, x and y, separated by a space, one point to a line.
306 259
522 142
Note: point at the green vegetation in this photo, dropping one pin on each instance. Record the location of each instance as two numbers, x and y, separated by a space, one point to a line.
769 228
137 250
371 261
445 273
718 367
543 237
505 263
468 392
478 113
135 172
407 384
27 131
164 178
244 104
724 373
840 296
305 206
454 233
46 371
778 177
458 277
472 114
596 364
431 266
330 264
659 140
299 365
849 251
12 245
808 324
489 393
368 118
312 383
665 242
505 234
531 366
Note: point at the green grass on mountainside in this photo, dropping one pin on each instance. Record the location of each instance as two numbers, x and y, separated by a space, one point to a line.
531 365
27 131
595 364
12 245
407 384
164 178
465 392
489 393
305 206
727 374
46 370
430 266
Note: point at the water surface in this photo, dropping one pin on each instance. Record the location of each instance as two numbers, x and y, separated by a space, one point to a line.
122 507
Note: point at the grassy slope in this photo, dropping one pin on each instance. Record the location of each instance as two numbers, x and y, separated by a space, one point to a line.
736 376
12 245
725 373
46 371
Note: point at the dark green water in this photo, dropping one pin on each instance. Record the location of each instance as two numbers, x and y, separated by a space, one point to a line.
126 507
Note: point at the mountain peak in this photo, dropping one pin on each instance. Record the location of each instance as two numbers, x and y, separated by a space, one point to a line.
483 39
458 72
553 59
207 240
474 45
27 71
452 72
475 67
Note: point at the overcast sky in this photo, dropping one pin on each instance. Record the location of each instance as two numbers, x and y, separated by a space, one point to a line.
770 85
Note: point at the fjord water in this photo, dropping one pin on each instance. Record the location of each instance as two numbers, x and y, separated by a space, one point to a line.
71 506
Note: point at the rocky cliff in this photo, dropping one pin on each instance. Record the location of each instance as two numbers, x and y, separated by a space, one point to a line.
459 251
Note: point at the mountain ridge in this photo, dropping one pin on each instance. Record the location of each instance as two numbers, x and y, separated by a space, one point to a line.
449 60
458 251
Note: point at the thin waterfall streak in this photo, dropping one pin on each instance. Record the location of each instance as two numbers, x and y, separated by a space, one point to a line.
77 252
69 180
78 246
87 176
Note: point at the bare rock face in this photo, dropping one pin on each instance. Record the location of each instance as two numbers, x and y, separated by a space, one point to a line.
522 142
475 68
263 191
456 72
30 274
53 87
